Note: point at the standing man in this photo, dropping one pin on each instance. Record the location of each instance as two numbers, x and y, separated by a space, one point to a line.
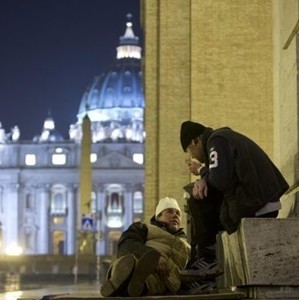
150 256
237 180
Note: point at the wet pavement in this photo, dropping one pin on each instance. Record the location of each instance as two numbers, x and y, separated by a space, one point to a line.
37 291
90 291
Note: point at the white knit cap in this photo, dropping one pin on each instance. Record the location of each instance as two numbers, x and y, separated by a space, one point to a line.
165 203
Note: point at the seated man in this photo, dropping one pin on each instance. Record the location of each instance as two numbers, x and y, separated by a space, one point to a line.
150 256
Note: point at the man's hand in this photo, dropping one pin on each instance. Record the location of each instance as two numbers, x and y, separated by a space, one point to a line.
193 166
161 268
200 189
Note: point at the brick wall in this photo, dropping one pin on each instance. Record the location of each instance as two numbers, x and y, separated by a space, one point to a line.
220 63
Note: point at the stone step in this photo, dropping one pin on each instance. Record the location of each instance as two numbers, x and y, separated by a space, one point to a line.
262 252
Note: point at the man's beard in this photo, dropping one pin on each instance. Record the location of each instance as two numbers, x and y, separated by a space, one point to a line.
172 228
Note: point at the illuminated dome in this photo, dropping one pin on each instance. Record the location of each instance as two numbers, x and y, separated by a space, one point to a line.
114 101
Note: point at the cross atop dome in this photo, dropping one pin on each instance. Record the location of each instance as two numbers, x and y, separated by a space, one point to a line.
129 38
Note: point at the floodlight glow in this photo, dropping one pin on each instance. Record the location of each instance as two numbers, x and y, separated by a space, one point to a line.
114 222
13 295
13 250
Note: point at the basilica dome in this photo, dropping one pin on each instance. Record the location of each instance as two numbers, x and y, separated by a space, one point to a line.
114 102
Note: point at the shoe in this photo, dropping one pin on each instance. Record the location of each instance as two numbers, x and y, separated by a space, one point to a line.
120 275
145 266
198 287
202 263
201 269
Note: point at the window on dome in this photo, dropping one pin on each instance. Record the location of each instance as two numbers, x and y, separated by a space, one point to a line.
59 159
127 89
138 158
127 73
94 96
30 159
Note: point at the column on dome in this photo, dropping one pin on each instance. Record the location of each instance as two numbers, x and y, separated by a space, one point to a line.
128 205
11 217
71 221
44 230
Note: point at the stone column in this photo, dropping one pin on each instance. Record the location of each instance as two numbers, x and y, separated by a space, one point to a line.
71 221
11 216
128 205
43 234
101 220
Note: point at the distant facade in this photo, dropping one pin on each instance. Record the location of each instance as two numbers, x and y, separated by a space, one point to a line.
39 179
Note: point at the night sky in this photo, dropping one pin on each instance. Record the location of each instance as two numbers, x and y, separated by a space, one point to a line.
50 51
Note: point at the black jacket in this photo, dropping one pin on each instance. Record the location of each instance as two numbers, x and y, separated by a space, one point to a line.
239 168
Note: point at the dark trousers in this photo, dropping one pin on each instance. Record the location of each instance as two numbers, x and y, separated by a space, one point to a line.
205 223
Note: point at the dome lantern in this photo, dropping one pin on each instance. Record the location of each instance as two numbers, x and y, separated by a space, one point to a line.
129 43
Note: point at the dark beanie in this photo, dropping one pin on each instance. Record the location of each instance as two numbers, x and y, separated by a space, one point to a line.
189 131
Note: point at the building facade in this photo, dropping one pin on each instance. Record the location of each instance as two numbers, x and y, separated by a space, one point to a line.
39 179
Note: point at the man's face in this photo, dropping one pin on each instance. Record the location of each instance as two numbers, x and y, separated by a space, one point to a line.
172 217
195 150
